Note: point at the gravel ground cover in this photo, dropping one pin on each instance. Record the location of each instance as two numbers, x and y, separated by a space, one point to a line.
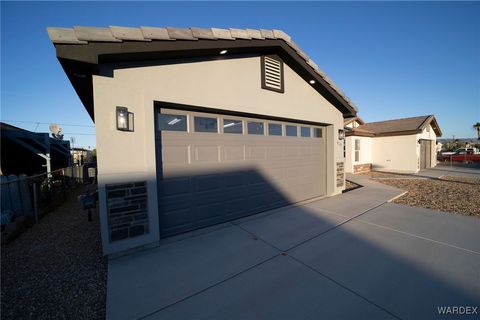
55 270
450 194
386 175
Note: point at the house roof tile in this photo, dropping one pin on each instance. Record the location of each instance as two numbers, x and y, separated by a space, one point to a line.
398 126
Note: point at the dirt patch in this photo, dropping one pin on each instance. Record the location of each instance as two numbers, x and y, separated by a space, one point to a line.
450 194
55 270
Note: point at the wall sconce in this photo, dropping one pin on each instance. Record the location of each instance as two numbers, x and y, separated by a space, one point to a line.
341 134
125 119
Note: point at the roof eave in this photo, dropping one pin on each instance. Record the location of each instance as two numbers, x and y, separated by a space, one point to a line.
359 134
431 120
352 119
383 134
398 133
87 57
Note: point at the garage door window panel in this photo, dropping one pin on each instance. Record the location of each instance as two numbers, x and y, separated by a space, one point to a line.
204 124
291 131
274 129
232 126
255 128
172 122
305 132
317 132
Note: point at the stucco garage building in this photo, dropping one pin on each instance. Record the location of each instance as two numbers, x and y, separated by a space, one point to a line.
221 124
399 145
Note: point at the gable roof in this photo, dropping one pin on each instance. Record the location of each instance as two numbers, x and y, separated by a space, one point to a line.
352 119
395 127
81 49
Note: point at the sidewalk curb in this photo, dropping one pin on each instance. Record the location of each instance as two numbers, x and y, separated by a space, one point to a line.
396 197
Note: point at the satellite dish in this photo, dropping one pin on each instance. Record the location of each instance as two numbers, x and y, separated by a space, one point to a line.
54 128
56 131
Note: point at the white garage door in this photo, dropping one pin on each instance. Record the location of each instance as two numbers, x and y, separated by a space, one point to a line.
213 168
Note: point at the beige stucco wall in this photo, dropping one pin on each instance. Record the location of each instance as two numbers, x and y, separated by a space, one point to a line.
393 153
396 153
365 152
352 125
231 84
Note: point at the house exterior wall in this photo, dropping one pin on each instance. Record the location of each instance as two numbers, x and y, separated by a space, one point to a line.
365 152
396 153
230 84
352 125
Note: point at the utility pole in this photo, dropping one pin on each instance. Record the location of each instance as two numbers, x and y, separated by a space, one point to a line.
47 154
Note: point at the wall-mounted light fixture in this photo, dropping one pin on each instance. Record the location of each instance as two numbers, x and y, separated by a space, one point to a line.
341 134
125 119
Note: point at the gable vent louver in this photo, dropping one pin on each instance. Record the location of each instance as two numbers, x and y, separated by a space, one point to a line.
272 73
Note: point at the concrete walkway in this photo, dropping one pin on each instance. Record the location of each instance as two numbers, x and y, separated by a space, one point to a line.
353 256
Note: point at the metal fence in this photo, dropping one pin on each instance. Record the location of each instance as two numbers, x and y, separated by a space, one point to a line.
467 160
30 197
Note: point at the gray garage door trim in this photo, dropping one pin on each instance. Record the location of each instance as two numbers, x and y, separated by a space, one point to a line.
206 178
425 154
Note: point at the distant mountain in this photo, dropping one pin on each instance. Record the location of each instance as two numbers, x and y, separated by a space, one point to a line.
463 140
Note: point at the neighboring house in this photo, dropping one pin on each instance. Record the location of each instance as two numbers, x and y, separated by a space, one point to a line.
81 156
30 153
216 125
400 145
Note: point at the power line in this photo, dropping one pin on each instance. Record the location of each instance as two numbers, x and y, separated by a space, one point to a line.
63 124
80 134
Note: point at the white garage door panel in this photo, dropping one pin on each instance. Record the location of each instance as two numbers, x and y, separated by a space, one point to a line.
208 178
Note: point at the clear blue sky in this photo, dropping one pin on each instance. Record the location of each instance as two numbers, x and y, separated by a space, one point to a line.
393 59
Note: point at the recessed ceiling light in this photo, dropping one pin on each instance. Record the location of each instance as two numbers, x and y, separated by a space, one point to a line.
312 81
223 51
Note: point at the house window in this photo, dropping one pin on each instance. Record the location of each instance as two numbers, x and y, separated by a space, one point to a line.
357 150
305 132
317 132
274 129
232 126
255 127
203 124
272 73
172 122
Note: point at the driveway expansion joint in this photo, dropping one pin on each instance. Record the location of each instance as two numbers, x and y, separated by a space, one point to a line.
420 237
334 227
146 316
345 287
256 237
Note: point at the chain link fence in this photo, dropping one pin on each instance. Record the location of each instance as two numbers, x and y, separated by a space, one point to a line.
26 199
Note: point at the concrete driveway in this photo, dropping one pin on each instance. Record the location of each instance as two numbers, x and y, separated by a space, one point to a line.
440 171
353 256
